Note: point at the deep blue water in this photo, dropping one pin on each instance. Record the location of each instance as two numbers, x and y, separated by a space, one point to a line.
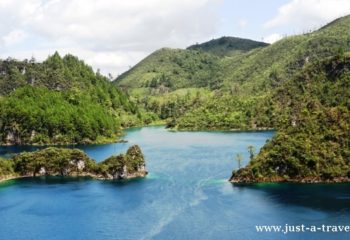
185 196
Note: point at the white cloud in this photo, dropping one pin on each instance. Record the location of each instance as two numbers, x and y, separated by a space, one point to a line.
13 37
273 38
304 15
106 33
242 23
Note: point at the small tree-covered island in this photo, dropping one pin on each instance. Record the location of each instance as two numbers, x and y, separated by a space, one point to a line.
54 161
298 86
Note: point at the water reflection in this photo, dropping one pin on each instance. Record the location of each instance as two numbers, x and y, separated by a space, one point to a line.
323 197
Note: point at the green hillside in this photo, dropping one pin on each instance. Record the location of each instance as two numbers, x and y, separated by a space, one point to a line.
313 140
266 68
298 86
170 69
238 82
248 78
227 46
60 101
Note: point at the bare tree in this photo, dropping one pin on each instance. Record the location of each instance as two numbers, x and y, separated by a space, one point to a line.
239 158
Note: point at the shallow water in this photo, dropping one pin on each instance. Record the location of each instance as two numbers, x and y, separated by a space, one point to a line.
185 196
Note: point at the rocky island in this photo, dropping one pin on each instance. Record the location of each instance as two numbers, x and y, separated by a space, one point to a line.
54 161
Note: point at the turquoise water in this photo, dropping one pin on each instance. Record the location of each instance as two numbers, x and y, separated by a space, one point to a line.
185 196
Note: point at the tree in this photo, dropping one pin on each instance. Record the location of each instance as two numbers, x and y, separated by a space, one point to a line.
239 158
251 150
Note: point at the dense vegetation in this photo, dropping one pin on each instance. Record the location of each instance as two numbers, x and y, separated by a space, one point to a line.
73 162
313 140
170 69
198 66
263 69
227 46
226 112
119 166
6 168
298 86
232 93
59 101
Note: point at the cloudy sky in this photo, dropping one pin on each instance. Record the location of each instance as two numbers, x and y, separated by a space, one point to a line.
113 35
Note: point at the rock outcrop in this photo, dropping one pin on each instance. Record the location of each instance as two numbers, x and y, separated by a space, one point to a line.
127 166
74 162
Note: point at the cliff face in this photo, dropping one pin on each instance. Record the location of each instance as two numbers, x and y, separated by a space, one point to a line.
73 162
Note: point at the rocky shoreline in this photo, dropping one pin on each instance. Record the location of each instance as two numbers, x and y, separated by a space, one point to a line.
73 163
92 176
302 180
62 144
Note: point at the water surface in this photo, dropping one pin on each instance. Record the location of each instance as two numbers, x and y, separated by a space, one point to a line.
185 196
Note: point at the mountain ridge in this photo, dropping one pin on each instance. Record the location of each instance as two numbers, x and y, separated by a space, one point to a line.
227 46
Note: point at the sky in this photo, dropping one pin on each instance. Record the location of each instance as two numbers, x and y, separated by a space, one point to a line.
114 35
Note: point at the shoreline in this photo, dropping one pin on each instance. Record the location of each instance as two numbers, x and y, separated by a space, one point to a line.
119 140
88 175
306 180
14 177
65 144
222 130
116 139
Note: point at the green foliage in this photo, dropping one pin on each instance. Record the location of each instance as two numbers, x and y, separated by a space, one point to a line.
54 161
227 46
227 112
113 165
59 101
241 84
174 104
6 168
133 161
134 158
262 69
170 69
313 139
38 115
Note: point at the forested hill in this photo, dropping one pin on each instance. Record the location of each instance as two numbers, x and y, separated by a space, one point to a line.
194 89
197 66
61 100
313 139
170 69
227 46
254 68
252 71
266 68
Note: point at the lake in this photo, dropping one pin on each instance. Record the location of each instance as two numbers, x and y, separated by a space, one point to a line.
185 196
